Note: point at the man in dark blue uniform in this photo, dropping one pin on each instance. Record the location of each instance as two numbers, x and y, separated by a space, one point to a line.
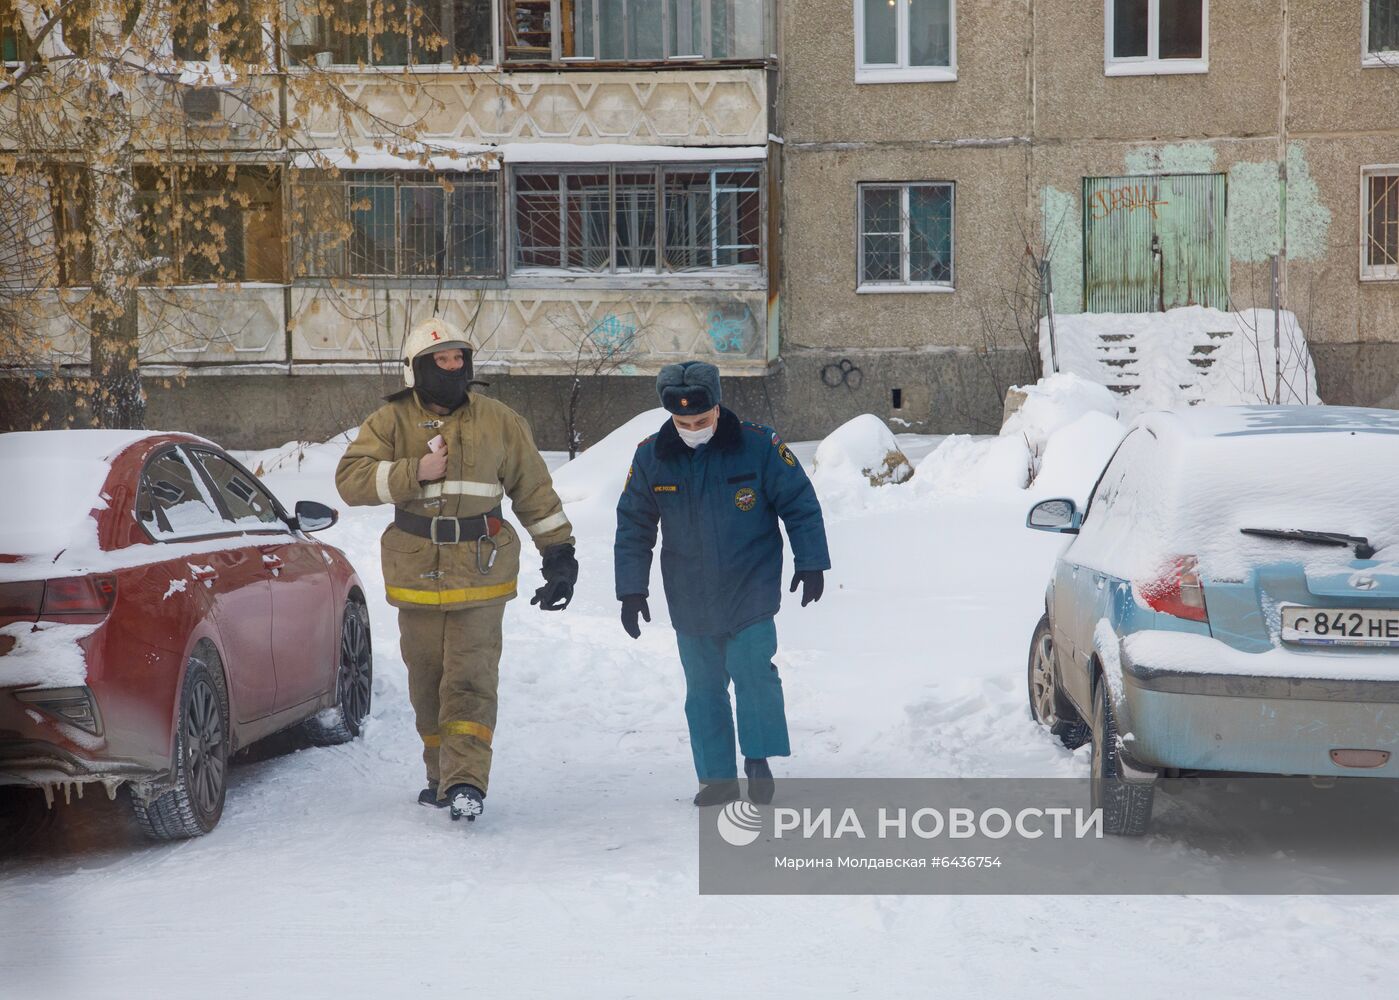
717 486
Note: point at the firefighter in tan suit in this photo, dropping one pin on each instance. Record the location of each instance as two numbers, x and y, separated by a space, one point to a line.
444 458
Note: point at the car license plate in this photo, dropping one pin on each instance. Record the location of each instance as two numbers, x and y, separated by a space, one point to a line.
1340 626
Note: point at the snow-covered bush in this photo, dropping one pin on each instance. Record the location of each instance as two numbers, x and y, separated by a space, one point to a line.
861 447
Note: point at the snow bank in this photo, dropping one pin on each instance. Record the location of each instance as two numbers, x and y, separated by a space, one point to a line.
53 481
967 466
1075 455
862 451
47 655
600 472
1186 356
1054 402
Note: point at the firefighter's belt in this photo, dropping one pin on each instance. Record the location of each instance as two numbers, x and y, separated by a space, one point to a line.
449 530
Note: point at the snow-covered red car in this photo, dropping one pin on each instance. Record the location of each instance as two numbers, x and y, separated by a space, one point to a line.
159 610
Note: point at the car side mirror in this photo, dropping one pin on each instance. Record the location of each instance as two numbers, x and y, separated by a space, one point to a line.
314 516
1059 515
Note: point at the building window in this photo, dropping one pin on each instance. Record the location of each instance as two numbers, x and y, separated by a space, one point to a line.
905 41
1156 37
398 224
1379 256
194 224
906 237
194 35
1381 33
391 32
604 219
634 30
13 45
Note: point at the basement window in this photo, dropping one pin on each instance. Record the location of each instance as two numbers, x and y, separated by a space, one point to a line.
905 41
1156 37
1379 255
1381 33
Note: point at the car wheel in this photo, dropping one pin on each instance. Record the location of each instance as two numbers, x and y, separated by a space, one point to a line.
1126 805
193 806
354 683
1048 706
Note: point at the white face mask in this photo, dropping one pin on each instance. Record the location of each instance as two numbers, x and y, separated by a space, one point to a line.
696 438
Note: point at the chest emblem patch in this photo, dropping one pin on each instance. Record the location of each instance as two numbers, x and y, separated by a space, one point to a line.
745 499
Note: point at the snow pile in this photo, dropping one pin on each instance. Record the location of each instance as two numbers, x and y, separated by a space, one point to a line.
1186 356
1053 402
967 466
1074 456
600 472
48 655
1056 443
53 481
861 451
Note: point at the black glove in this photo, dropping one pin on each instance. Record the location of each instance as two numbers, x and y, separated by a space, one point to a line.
813 583
560 574
633 605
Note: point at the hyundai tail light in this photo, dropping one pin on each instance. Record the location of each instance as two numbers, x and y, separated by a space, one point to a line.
1178 591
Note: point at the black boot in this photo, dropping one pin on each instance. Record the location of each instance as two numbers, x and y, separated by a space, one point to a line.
760 783
466 802
716 793
428 796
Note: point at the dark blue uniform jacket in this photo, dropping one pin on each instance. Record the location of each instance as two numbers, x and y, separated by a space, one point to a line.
718 505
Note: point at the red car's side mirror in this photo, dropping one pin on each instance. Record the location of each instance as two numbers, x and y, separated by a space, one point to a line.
313 516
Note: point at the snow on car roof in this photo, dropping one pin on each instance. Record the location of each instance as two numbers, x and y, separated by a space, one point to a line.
1255 421
53 480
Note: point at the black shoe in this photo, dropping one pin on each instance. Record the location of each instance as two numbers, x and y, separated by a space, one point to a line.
760 783
466 801
428 797
716 793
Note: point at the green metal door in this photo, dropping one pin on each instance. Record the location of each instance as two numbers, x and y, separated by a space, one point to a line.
1154 241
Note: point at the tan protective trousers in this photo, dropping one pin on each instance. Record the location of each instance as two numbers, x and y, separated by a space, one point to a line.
453 660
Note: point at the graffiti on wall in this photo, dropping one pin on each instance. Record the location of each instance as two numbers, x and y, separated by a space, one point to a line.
611 335
729 333
1128 198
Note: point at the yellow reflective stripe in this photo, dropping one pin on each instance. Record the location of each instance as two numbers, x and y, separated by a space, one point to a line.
432 740
547 525
381 481
458 596
482 733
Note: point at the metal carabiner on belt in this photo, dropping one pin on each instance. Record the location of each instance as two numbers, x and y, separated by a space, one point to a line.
490 560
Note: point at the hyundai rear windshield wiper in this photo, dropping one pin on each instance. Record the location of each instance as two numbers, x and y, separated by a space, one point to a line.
1363 548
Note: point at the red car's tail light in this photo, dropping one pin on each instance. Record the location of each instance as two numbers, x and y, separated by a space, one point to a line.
21 600
79 595
1177 591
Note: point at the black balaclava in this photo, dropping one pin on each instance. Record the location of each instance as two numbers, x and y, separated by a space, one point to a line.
439 386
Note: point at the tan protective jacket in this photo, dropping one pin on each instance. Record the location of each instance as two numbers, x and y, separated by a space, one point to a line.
490 454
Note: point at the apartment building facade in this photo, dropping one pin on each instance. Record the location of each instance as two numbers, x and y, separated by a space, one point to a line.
831 200
1158 152
601 184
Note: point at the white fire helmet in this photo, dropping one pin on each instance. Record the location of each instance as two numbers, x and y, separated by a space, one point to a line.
428 337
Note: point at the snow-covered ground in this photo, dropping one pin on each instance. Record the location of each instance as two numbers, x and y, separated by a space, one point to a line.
325 879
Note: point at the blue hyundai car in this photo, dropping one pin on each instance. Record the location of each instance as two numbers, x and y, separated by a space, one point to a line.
1229 602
